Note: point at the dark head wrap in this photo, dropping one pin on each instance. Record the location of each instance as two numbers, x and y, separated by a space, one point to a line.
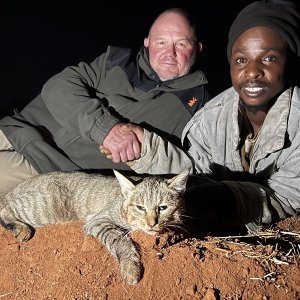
281 16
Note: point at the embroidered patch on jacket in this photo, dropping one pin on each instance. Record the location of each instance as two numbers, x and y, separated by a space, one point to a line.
192 101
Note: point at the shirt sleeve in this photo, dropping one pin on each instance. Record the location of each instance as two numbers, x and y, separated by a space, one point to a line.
72 99
159 156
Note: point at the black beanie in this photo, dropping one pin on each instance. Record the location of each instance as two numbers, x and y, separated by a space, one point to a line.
281 16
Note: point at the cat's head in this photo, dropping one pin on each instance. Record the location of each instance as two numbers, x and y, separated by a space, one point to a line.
153 203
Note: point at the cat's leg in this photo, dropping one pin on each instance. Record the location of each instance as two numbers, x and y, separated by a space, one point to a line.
119 244
22 231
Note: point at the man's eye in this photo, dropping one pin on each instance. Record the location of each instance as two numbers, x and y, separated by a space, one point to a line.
270 58
241 60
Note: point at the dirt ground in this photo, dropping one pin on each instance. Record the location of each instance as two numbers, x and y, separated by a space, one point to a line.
59 262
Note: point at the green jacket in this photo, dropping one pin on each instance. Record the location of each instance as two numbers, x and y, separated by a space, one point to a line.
62 128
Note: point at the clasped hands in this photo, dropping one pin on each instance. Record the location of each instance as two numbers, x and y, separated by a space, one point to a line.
123 143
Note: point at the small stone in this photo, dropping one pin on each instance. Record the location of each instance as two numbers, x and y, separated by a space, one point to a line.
191 290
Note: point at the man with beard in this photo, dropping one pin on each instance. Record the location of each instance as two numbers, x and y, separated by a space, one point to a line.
244 144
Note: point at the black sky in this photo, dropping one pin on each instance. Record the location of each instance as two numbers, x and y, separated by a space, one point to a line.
39 39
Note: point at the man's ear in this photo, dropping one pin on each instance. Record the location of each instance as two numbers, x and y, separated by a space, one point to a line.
146 42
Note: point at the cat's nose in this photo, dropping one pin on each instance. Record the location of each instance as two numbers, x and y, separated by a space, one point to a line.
152 220
152 223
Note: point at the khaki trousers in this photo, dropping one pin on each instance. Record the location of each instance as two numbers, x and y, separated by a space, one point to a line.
14 168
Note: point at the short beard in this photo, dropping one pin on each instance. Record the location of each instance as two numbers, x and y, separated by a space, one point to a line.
256 108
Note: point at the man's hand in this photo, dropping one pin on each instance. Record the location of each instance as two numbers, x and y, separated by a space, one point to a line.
123 143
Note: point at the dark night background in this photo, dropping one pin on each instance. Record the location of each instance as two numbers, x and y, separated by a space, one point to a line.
39 39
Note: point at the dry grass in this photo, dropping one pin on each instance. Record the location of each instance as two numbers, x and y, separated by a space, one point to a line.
271 248
273 245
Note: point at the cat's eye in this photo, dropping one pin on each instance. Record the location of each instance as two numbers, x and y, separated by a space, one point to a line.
162 207
140 207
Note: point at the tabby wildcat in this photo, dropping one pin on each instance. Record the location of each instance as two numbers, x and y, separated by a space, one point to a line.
109 206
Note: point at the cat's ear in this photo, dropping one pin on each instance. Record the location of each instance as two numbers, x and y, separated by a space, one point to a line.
178 182
126 185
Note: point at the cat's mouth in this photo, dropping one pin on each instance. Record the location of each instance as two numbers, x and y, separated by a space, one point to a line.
153 231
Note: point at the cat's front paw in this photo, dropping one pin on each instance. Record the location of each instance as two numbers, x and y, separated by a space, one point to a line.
22 233
131 271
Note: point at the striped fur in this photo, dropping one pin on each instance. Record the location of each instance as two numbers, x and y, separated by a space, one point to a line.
110 208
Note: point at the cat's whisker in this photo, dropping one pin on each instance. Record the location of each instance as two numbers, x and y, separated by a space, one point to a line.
173 224
187 216
168 229
176 226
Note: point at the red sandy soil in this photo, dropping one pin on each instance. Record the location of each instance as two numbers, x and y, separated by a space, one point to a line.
60 262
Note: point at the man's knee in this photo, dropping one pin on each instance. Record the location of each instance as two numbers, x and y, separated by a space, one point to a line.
14 169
